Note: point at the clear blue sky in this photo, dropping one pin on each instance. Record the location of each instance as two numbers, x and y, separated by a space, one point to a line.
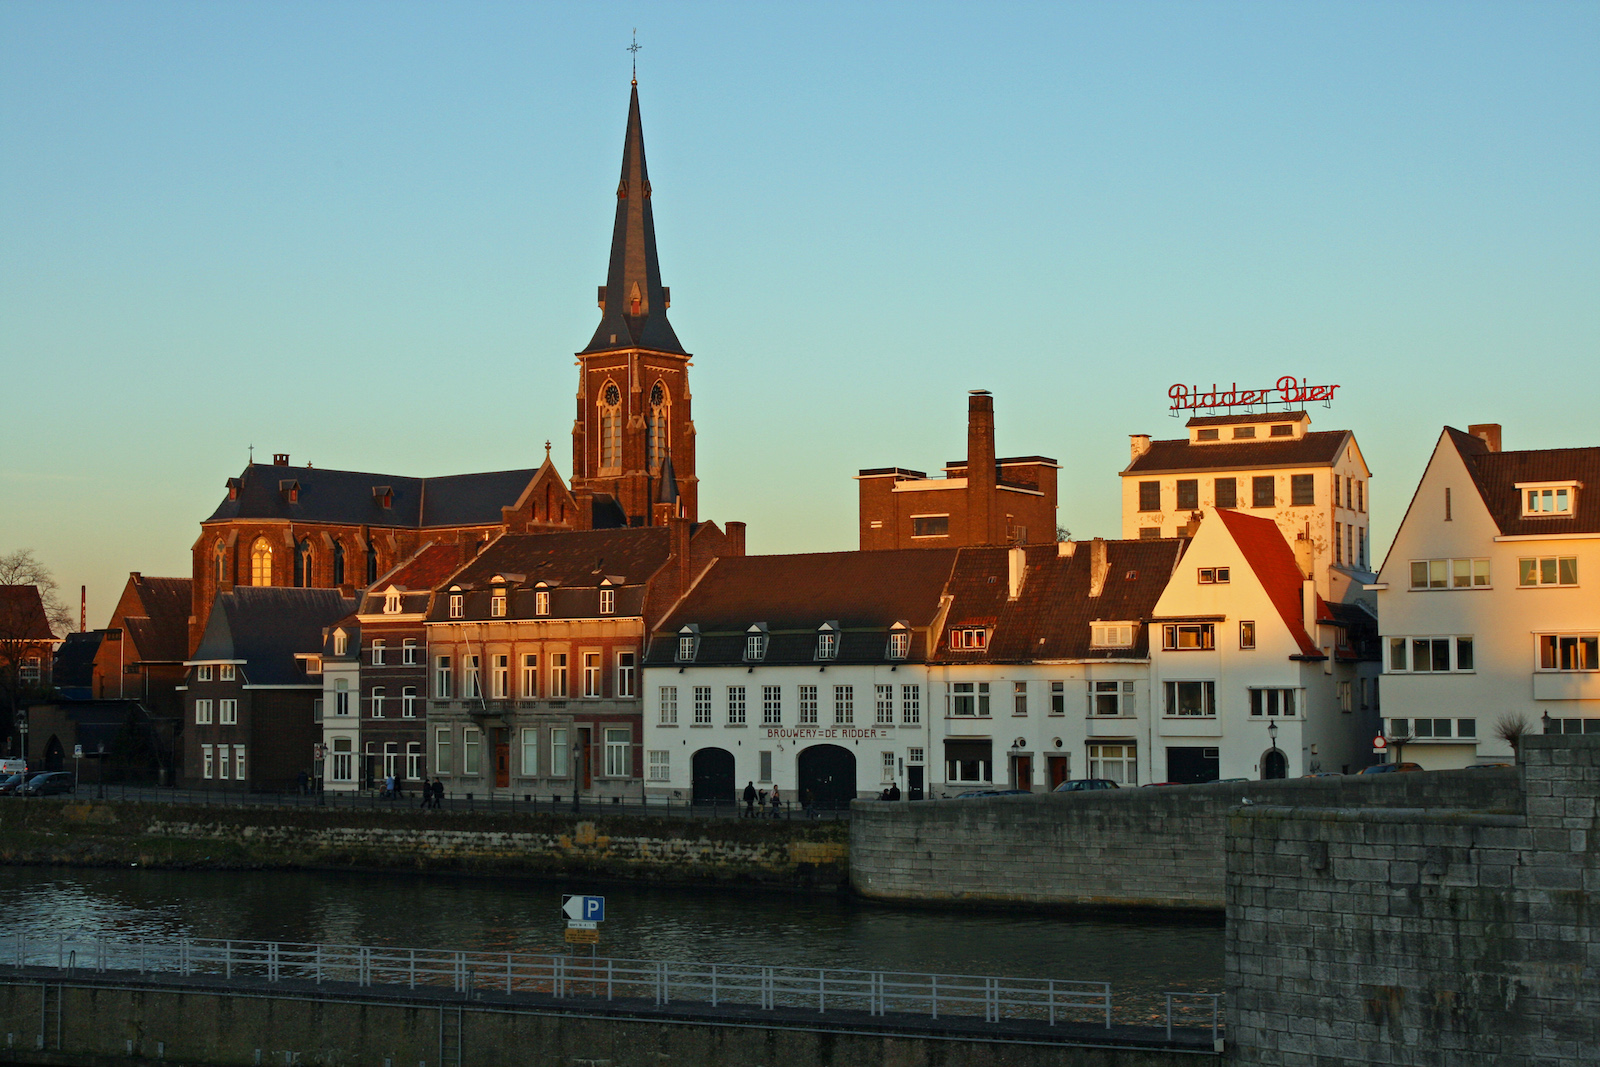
369 235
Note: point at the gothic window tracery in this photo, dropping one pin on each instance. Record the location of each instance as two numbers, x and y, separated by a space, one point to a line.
338 563
610 427
303 565
220 561
261 562
657 440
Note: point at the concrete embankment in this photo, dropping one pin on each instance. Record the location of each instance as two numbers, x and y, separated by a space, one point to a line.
805 856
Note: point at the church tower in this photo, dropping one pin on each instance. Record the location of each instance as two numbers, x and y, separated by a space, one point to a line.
633 439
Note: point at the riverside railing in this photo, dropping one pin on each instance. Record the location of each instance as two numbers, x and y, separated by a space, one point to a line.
469 973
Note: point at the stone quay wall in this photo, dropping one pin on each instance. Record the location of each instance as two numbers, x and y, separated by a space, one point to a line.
1421 938
777 854
1160 847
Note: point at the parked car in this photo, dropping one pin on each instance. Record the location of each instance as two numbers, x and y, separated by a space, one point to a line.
1077 785
1487 766
10 786
1151 785
971 793
1324 774
48 784
1392 768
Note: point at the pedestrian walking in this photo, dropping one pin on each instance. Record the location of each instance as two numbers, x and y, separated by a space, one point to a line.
749 800
438 793
773 801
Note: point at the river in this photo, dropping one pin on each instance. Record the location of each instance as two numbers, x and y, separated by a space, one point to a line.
1140 955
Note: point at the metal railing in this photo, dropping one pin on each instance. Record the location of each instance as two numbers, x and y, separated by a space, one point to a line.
470 973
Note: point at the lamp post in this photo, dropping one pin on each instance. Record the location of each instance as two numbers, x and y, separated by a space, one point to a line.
1545 718
22 730
577 775
1272 736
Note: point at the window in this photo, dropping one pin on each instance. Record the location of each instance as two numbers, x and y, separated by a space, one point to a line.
827 643
1345 698
391 603
1111 698
1338 542
914 755
771 705
1272 702
260 562
618 742
930 526
688 643
1058 698
441 750
413 761
541 602
1243 433
1149 533
202 713
341 697
1218 575
1538 502
911 705
223 762
627 672
660 765
1019 698
591 674
844 705
1263 491
969 639
441 677
884 705
225 672
500 676
530 676
1188 494
1111 635
471 751
220 554
410 654
1226 492
608 601
969 699
1361 496
316 710
1118 763
669 705
303 558
391 759
1149 496
457 606
1429 655
1303 489
610 426
735 705
1449 574
1192 699
378 652
1548 570
408 702
656 441
1211 434
755 644
968 761
887 761
1568 652
472 679
1188 636
1281 430
764 766
557 689
899 643
376 701
702 705
808 705
558 752
202 673
497 604
341 643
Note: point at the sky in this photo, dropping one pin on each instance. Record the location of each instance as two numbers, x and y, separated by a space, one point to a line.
369 235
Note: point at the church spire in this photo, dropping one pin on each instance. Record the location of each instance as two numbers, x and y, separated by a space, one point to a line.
633 302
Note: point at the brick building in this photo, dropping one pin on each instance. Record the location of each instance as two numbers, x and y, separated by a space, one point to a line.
145 645
980 500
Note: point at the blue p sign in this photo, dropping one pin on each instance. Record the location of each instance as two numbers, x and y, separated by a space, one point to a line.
594 908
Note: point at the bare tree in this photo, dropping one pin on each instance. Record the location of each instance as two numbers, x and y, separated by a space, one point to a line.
1511 727
23 568
32 616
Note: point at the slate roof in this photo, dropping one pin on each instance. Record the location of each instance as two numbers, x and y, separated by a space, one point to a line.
74 661
1497 474
1317 448
22 616
162 633
1050 619
347 497
265 626
1273 562
571 565
864 592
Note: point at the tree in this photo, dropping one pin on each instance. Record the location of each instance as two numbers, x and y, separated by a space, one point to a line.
1511 727
31 617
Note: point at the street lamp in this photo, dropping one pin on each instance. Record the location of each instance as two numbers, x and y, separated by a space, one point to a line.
577 775
1548 722
22 729
1272 731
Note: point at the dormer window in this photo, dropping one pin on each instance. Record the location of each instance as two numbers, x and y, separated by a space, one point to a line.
1208 434
1111 635
233 489
755 643
290 490
899 641
1547 499
497 603
391 603
828 640
969 639
1243 433
1282 430
458 605
541 602
688 643
383 496
608 600
341 643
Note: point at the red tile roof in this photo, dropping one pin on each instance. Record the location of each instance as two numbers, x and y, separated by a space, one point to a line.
22 616
1273 562
431 565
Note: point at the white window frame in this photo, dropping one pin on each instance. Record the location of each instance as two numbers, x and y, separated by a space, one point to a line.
608 601
1117 761
660 765
1174 633
1450 574
1548 500
560 757
408 702
1405 663
530 676
808 703
844 705
443 676
736 705
408 652
968 700
1532 570
375 701
1174 692
500 676
559 676
379 651
1112 634
225 672
883 705
618 742
528 760
458 608
202 673
911 704
772 705
207 762
702 705
593 676
627 671
541 602
667 708
202 713
228 712
1585 647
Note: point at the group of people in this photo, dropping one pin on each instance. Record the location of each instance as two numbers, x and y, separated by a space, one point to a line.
432 793
892 793
760 802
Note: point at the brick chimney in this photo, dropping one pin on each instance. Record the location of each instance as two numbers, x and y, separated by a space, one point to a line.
980 468
1099 566
280 459
735 533
1488 432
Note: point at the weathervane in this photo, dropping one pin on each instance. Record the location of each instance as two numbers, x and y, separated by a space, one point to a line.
634 48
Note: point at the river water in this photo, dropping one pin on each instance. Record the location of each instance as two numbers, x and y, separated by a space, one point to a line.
1141 956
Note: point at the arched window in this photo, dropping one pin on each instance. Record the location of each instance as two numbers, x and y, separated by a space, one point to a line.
338 563
302 565
261 562
372 563
656 439
610 426
219 559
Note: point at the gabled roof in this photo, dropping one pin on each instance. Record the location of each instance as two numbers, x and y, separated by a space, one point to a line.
161 632
22 614
1497 474
266 626
1050 619
575 558
1273 562
350 498
1317 448
74 661
431 565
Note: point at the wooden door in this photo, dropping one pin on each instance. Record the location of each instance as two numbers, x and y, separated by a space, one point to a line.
1058 769
1025 772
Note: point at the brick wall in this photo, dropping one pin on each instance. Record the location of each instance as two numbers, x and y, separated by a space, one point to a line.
1158 847
1421 937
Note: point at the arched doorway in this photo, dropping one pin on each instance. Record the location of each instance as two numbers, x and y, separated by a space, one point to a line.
55 756
828 774
1274 765
713 776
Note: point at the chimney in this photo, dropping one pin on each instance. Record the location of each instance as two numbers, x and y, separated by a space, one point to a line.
1308 607
1305 552
735 534
280 459
980 468
83 608
1098 566
1488 433
680 531
1138 445
1066 549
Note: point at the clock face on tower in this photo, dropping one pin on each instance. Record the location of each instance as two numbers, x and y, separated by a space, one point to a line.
613 396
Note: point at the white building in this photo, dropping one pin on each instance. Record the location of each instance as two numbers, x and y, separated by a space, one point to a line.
1313 484
1485 617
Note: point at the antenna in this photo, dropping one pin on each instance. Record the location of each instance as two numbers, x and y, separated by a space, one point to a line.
634 48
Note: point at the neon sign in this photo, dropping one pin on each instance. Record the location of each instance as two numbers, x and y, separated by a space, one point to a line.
1288 391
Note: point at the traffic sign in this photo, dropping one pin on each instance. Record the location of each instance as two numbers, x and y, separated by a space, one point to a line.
1380 743
579 924
583 937
587 909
